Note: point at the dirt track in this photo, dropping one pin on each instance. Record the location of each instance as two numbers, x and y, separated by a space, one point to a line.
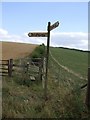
15 50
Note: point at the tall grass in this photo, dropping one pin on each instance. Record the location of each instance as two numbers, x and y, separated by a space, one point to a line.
23 98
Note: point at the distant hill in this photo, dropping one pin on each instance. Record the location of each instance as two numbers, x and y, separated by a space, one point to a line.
73 49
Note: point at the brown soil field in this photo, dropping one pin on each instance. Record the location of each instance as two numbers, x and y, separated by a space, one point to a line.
13 50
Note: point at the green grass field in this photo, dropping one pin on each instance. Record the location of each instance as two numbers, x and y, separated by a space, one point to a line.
65 98
73 59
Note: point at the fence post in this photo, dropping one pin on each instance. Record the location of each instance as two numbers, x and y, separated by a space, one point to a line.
27 66
10 66
88 91
40 70
44 73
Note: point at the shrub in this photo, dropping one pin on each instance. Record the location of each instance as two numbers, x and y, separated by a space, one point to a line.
38 53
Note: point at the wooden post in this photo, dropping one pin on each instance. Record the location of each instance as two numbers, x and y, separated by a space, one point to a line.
88 91
40 70
27 66
45 34
10 66
47 58
44 74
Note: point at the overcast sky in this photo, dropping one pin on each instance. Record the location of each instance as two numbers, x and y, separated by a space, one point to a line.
19 18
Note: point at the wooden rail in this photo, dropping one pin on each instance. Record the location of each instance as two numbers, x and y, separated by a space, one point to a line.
6 67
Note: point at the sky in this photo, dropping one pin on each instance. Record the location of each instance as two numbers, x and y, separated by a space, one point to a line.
45 0
20 18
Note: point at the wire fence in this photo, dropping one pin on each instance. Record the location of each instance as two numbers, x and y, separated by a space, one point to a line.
65 77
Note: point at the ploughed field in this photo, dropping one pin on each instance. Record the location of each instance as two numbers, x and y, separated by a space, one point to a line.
13 50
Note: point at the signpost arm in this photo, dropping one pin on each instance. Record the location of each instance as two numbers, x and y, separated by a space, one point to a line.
47 58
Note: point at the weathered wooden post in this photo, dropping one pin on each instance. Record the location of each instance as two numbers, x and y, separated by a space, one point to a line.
47 58
45 34
27 66
10 66
50 27
40 70
88 91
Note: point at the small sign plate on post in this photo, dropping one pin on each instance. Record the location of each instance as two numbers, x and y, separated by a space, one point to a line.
38 34
56 24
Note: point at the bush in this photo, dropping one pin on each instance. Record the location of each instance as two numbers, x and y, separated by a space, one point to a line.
38 53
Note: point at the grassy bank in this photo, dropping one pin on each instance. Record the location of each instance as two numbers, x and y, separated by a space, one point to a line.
65 98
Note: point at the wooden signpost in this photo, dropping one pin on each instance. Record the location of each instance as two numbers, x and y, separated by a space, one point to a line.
38 34
56 24
45 34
